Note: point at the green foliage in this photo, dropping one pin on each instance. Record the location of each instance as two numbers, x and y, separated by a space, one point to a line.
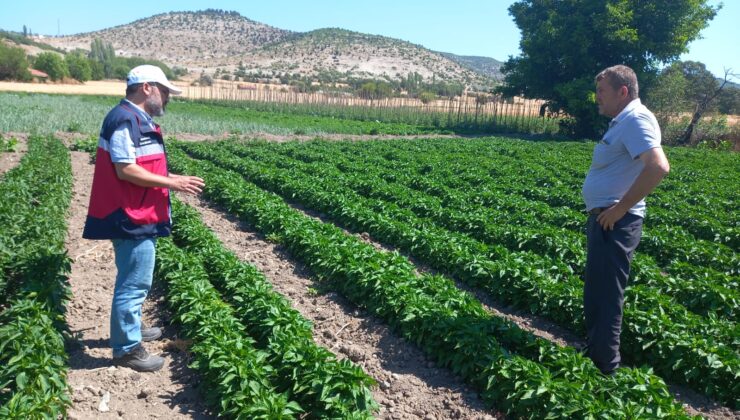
236 374
33 282
667 99
700 82
20 38
111 67
52 64
729 101
657 330
205 80
321 384
88 145
104 54
514 370
427 97
13 63
79 66
50 113
9 144
33 363
566 43
375 90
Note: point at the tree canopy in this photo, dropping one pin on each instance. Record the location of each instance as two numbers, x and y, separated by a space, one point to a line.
565 43
52 64
13 63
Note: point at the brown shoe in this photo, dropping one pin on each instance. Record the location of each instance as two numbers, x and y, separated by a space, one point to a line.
140 360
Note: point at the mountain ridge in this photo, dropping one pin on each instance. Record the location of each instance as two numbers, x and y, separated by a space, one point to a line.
211 40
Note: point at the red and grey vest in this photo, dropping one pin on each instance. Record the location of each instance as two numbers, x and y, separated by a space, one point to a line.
119 209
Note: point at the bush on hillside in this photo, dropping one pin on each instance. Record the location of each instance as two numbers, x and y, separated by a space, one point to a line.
51 64
13 63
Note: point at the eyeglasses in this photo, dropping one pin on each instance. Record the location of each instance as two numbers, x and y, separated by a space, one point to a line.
162 89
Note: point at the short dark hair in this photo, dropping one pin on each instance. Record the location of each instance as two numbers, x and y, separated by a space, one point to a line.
131 89
618 76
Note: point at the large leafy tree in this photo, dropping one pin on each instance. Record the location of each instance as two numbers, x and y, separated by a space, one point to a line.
79 66
13 63
565 43
52 64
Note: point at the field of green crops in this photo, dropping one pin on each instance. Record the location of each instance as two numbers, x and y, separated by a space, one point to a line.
500 215
83 114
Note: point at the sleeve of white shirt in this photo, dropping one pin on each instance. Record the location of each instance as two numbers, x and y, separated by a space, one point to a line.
122 146
643 135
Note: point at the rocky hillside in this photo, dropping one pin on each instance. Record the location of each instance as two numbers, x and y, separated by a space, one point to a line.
360 55
486 66
211 40
186 39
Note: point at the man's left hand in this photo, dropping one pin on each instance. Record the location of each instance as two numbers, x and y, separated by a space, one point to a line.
610 216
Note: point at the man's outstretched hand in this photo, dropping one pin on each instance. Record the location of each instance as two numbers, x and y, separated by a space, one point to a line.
187 184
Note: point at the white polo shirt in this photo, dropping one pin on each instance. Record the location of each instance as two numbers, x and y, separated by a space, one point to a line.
615 164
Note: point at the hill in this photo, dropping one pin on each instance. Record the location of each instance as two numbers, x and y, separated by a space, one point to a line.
205 41
486 66
192 39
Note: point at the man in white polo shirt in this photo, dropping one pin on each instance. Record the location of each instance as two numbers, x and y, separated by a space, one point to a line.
628 163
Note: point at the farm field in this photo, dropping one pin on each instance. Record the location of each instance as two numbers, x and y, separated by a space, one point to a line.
421 277
24 111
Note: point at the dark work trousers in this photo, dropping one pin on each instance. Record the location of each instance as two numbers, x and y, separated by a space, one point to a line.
607 272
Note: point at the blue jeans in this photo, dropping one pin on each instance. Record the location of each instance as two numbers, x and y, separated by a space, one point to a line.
135 264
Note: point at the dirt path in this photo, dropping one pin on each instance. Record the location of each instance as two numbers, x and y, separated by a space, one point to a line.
167 394
411 386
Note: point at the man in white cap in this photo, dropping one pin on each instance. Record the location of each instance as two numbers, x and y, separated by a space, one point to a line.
129 204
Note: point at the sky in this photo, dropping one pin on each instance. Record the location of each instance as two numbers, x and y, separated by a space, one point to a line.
463 27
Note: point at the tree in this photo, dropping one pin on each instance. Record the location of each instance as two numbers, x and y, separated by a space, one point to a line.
667 98
104 54
699 80
13 63
703 99
79 66
51 64
565 43
205 80
685 87
729 101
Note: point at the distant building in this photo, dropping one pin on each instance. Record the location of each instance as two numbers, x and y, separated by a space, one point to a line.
38 75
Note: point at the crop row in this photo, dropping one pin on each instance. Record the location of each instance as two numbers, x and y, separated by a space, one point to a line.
683 199
665 238
324 386
33 282
235 373
515 371
521 279
490 225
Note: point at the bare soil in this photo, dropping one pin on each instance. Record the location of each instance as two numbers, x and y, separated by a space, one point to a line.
9 160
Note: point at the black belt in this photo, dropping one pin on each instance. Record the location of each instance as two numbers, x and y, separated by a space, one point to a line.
596 210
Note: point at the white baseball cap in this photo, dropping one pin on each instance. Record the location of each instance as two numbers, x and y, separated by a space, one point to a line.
150 74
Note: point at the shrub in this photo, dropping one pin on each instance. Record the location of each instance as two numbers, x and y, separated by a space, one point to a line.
13 63
51 64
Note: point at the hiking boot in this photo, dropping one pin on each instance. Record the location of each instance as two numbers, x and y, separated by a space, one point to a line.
140 360
150 334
